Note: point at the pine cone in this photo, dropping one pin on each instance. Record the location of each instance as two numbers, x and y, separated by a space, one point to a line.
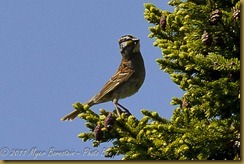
236 14
98 134
206 39
184 104
162 22
215 16
109 121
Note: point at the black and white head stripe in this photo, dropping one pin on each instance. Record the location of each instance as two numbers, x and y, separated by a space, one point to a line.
126 38
127 41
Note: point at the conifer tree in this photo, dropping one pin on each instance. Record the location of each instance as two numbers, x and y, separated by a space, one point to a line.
200 43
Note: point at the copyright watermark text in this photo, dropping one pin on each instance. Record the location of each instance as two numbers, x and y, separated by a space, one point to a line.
35 153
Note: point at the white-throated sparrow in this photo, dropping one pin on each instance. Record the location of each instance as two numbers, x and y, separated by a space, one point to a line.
125 82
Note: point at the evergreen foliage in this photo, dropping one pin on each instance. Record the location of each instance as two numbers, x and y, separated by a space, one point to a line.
200 43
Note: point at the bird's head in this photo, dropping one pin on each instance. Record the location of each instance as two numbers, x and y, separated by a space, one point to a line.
129 45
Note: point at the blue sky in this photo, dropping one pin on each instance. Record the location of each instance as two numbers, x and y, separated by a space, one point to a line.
54 53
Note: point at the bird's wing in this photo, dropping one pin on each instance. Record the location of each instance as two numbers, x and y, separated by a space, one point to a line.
122 75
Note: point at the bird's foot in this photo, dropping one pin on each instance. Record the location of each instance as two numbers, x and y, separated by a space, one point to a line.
125 109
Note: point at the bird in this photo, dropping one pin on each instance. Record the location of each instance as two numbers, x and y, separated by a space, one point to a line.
126 81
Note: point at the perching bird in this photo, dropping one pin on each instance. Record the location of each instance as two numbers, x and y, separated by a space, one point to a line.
125 82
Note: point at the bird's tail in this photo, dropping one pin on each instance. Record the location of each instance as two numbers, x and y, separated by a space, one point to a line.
72 115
